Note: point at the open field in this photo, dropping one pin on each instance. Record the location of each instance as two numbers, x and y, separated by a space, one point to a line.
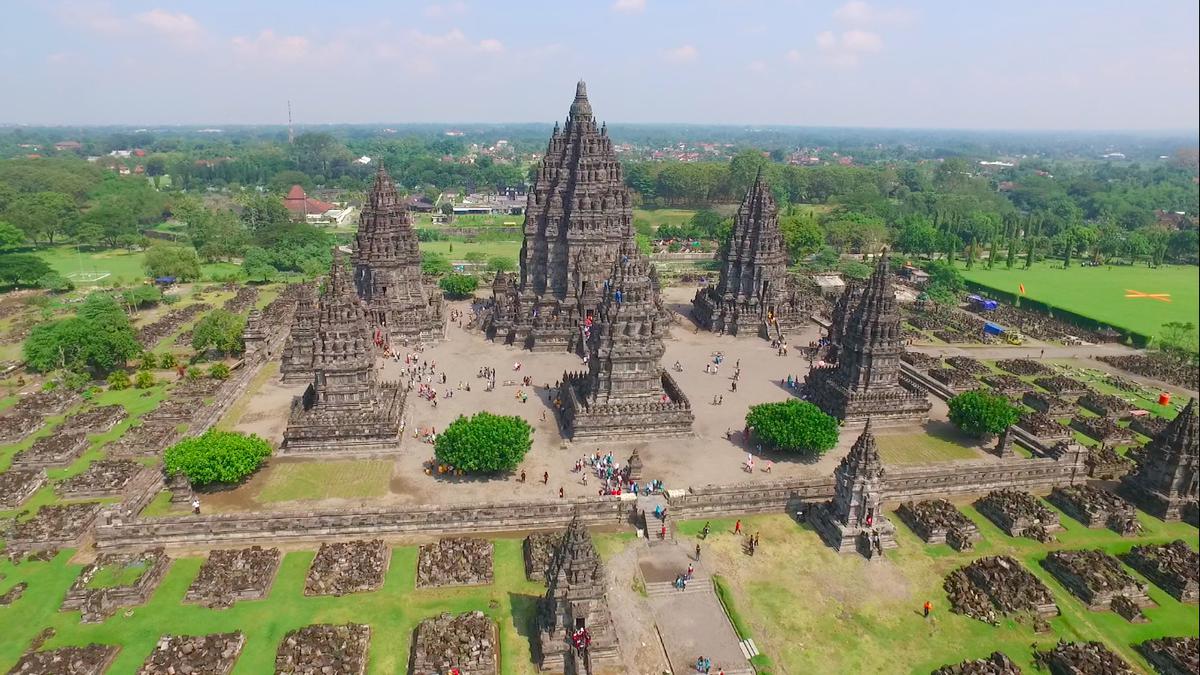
325 480
121 265
1099 292
457 250
658 217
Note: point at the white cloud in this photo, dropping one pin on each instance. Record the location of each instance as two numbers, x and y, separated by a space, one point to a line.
443 9
794 56
267 45
682 54
491 45
859 13
848 47
450 38
629 6
757 66
176 26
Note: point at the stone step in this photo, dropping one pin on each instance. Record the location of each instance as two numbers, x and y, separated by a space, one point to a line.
696 585
748 648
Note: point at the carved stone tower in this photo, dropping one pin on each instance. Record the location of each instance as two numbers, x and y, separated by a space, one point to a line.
578 216
866 380
346 408
1165 482
296 364
575 599
853 519
753 295
625 392
387 270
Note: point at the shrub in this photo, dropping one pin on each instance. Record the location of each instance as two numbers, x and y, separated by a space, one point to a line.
219 330
501 263
458 286
484 443
144 380
168 360
55 283
980 413
794 426
194 373
118 380
219 371
216 457
98 338
149 361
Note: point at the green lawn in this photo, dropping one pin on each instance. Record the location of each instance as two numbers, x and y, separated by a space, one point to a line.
1099 292
117 575
121 265
457 250
921 448
658 217
342 479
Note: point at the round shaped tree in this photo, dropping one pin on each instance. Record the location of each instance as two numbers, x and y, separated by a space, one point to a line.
458 286
216 457
794 426
484 443
981 413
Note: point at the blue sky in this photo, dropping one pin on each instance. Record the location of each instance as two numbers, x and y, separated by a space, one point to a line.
1064 64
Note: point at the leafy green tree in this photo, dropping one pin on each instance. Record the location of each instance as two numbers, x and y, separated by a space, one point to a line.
918 237
256 265
22 269
55 283
43 215
946 283
1178 339
171 260
435 264
216 457
284 180
484 443
118 380
194 373
706 223
11 237
168 360
801 235
794 426
142 296
144 379
458 286
98 338
475 257
261 213
501 263
855 269
219 330
981 413
149 361
219 371
826 259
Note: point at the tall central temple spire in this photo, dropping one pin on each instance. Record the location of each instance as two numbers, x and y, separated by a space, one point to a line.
578 216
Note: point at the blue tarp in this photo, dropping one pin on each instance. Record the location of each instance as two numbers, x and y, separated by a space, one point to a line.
992 328
165 280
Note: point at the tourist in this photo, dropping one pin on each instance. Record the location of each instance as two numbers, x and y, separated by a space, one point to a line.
662 532
927 608
585 478
522 475
697 552
733 386
704 531
737 527
756 540
545 478
691 570
561 494
196 506
768 467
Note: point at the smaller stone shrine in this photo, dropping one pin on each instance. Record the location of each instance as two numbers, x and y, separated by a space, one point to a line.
458 561
17 485
116 580
1173 655
574 623
1045 428
1095 577
937 521
1020 514
1102 429
539 549
341 568
1096 507
995 664
1061 385
296 362
54 526
213 654
230 575
853 520
1173 567
1048 404
1165 484
58 450
102 478
463 644
1023 367
1105 464
255 333
95 420
1082 658
998 585
324 649
1105 405
92 659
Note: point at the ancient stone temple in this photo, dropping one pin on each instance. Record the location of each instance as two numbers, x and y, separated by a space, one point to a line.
574 624
1165 482
625 392
346 408
254 334
387 271
296 363
752 296
853 520
866 380
577 218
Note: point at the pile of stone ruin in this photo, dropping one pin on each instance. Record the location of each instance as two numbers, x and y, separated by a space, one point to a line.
1105 405
1157 366
17 485
143 440
920 361
213 654
102 478
1173 567
968 365
242 300
96 420
97 604
998 585
1061 385
1036 324
1104 463
465 644
1024 367
1098 579
1102 429
13 594
1010 386
937 521
1082 658
30 413
1020 514
53 526
1049 404
1097 507
953 377
230 575
1043 426
58 450
539 549
1149 426
324 649
997 663
151 333
1173 655
457 561
347 567
92 659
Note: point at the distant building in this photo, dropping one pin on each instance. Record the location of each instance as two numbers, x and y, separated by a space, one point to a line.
420 204
65 146
315 211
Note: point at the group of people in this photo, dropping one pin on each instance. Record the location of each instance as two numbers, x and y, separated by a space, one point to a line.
704 665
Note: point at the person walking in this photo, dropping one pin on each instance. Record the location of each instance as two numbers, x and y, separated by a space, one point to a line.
545 478
522 475
691 570
704 531
196 507
737 527
697 552
927 608
560 492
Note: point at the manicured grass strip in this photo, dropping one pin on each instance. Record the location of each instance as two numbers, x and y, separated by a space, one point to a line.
740 626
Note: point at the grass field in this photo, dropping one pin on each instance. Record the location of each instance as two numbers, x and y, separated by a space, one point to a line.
121 265
658 217
1099 292
344 479
510 249
921 448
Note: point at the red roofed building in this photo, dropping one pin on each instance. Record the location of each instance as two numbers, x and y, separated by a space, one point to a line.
302 206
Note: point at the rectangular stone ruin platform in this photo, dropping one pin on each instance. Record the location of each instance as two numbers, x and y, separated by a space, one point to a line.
1061 385
16 426
1102 429
1096 578
97 420
1096 507
1173 567
1173 655
1045 428
585 420
17 485
1105 405
1048 404
173 412
323 648
920 361
230 575
457 561
968 365
1010 386
539 549
997 663
99 603
997 586
464 644
54 526
1082 658
58 450
348 567
92 659
1023 367
1019 514
213 654
1104 463
102 478
937 521
313 429
955 379
1148 425
144 440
